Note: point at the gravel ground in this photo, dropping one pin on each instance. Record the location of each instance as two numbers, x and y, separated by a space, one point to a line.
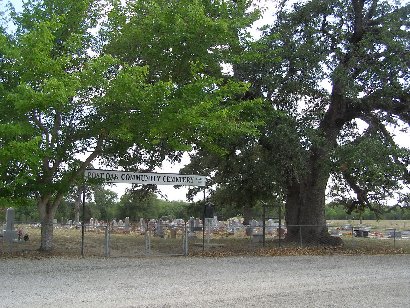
305 281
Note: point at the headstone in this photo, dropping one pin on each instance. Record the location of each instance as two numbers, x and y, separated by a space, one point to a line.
197 223
9 234
151 225
236 225
173 233
270 224
208 228
142 225
191 224
127 224
248 231
251 229
191 227
159 230
231 226
10 219
254 223
215 222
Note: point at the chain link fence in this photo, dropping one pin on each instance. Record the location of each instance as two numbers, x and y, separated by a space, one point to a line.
179 237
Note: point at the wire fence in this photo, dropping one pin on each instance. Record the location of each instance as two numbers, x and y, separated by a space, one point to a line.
179 237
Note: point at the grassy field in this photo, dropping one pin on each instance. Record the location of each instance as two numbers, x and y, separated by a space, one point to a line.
68 242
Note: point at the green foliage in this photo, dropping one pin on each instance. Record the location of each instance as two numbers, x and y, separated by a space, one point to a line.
107 207
138 204
148 83
105 202
25 209
374 165
41 128
65 212
182 45
72 92
335 211
171 36
323 68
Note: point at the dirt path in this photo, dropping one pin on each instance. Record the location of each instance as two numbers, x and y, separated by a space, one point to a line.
306 281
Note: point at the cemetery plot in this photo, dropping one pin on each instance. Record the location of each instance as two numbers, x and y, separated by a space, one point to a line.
125 239
162 237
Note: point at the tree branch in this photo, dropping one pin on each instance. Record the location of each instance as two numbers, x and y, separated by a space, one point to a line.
358 29
399 105
94 154
371 12
361 194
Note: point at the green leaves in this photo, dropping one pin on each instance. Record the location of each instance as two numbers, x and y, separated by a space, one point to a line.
171 36
376 167
157 88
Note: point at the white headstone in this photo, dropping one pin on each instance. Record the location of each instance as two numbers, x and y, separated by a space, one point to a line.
127 223
9 234
159 230
191 224
10 219
142 225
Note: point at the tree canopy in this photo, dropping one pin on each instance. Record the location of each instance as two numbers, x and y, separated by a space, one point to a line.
130 83
82 81
344 78
337 72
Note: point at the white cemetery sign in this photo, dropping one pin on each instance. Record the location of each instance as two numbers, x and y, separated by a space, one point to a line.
112 176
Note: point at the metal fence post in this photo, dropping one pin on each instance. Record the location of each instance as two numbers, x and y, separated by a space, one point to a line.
394 238
147 240
279 232
263 225
352 236
300 235
83 224
185 241
107 242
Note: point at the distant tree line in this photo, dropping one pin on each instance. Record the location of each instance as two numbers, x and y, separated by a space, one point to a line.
106 206
338 211
138 204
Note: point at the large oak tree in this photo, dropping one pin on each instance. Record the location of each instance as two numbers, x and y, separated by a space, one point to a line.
339 70
343 76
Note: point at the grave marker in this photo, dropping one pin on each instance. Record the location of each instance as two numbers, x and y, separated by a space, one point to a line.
9 234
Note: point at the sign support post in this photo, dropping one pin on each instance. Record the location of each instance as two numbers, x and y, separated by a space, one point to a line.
82 224
145 178
203 224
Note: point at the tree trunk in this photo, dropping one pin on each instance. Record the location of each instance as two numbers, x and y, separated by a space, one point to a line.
47 211
305 207
247 214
